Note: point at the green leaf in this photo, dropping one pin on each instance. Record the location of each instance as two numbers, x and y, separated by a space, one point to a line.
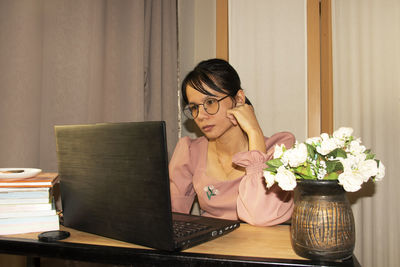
340 153
310 150
304 171
370 156
298 176
337 153
333 166
332 154
306 177
330 166
274 163
331 176
271 169
301 170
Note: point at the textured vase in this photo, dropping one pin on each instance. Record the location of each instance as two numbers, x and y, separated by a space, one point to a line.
322 221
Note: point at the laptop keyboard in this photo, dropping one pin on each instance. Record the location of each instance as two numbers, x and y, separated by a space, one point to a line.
183 228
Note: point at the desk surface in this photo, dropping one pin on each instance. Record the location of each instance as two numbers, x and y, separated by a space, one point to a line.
248 245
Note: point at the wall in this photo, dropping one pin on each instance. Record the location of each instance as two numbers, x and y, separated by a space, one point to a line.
267 46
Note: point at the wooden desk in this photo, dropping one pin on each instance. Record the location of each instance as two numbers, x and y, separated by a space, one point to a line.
246 246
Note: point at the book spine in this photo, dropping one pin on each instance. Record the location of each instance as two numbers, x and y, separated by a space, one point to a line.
28 228
27 194
22 213
26 185
25 220
24 201
24 207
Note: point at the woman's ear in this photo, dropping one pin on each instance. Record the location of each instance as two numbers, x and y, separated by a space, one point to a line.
240 98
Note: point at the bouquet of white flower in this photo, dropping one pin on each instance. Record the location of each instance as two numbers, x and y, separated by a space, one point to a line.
338 157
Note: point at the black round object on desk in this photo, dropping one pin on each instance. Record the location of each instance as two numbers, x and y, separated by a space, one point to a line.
52 236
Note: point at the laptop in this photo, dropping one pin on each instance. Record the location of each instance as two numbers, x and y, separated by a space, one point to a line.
114 182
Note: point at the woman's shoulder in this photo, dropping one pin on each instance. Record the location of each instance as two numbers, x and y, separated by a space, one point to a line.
193 146
192 142
189 151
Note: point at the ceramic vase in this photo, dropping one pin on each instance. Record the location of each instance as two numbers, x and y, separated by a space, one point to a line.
322 221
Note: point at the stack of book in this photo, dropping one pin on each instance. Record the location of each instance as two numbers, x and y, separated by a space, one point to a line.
27 205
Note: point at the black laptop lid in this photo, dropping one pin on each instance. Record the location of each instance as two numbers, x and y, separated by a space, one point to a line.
114 181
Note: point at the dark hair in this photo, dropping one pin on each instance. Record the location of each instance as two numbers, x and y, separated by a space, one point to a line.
217 74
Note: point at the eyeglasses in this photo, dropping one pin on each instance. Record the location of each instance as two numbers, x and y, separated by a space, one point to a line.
210 104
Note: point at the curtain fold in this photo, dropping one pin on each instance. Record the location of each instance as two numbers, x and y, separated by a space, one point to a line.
82 61
366 56
20 82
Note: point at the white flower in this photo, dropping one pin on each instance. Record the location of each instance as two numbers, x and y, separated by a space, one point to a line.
279 151
324 136
339 142
269 178
351 181
327 145
297 155
317 165
351 163
360 157
322 164
285 178
321 170
356 148
313 140
343 133
285 157
381 172
367 169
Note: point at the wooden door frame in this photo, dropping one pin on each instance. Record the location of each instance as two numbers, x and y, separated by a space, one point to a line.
222 31
326 67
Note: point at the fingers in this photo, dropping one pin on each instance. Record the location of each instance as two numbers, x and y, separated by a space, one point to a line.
243 108
238 113
243 116
232 118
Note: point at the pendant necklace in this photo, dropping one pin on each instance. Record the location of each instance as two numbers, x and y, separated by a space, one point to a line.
231 168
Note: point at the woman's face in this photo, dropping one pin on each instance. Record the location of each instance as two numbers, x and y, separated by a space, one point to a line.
212 126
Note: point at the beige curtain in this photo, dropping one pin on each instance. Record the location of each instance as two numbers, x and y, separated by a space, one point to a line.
366 55
82 61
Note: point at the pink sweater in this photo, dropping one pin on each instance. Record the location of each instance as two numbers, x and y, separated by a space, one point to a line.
245 198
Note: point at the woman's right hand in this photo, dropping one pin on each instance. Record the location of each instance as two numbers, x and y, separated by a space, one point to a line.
244 117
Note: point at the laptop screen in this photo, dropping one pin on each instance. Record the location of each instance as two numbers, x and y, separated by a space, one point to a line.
114 181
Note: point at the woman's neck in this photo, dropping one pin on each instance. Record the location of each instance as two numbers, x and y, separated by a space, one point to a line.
232 142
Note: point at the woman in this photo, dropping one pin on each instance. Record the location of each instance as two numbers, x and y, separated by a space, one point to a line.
224 168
